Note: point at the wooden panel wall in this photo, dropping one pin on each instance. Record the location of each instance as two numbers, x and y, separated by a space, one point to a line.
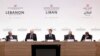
67 49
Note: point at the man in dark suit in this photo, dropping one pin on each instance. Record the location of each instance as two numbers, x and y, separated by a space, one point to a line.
69 36
31 35
10 36
86 36
50 36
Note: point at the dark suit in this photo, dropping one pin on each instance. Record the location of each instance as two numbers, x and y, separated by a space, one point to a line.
13 37
66 37
28 36
47 37
88 37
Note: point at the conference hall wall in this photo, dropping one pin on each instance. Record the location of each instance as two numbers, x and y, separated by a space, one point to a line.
19 16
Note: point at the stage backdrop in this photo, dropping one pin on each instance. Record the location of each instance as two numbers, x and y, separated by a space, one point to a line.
79 16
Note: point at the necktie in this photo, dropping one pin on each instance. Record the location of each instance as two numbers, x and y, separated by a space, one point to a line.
31 36
69 36
50 35
11 37
86 36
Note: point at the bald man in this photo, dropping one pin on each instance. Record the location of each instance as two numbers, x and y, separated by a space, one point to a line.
31 35
11 36
69 36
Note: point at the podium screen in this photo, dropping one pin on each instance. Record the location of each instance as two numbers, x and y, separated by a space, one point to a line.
45 50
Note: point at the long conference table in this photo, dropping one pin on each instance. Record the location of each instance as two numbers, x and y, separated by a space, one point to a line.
66 49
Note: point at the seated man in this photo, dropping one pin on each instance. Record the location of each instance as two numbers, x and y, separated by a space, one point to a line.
69 36
86 36
10 36
50 36
31 35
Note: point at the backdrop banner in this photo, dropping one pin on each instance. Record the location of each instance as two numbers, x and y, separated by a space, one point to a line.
79 16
